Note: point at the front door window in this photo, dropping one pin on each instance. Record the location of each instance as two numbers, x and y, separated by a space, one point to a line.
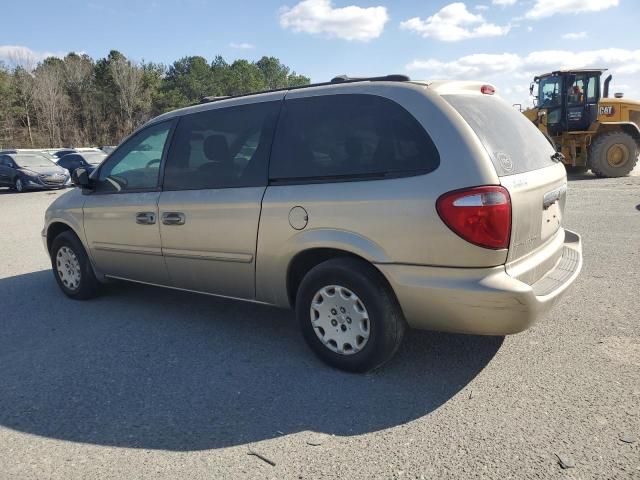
135 166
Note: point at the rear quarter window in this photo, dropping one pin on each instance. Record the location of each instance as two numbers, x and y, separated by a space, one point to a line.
349 137
513 142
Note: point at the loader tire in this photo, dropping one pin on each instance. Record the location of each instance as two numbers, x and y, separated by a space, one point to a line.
613 154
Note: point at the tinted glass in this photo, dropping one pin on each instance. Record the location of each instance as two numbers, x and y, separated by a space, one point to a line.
549 92
513 142
223 147
136 164
349 136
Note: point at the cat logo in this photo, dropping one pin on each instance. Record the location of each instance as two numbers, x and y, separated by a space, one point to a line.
607 110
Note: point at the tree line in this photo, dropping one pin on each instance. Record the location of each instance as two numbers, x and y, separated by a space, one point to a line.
76 101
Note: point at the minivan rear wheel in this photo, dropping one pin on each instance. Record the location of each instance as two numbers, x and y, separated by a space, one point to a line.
72 268
349 315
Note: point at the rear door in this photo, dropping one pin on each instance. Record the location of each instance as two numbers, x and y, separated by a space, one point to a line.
537 184
214 181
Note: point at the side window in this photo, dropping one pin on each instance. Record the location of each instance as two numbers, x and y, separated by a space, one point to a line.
136 164
337 137
221 147
592 89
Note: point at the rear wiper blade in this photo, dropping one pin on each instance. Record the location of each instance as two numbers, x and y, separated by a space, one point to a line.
557 157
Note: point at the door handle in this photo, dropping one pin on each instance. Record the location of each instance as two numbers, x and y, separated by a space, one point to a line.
173 218
145 218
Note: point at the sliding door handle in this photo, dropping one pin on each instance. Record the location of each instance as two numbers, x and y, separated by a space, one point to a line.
173 218
145 218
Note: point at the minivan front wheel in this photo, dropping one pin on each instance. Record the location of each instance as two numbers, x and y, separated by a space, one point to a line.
18 186
71 267
348 315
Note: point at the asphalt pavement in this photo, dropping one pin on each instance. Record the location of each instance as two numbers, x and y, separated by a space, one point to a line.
148 383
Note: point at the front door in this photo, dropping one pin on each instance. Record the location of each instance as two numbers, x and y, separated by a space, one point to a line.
121 214
214 181
582 101
5 170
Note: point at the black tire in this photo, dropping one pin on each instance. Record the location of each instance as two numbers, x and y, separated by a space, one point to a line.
88 284
598 160
18 186
571 170
386 322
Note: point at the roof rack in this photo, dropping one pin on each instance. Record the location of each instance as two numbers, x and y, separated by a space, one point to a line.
334 80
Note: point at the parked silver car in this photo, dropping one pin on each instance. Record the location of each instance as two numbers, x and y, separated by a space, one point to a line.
367 205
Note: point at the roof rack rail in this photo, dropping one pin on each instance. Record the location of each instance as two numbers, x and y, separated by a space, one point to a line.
337 79
384 78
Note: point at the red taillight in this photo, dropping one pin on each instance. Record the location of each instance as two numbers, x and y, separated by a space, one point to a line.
480 215
487 89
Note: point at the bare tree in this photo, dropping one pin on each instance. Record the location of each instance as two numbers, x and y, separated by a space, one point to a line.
78 82
24 86
127 78
50 98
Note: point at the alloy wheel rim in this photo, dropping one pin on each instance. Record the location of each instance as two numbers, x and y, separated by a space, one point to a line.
19 185
68 268
618 155
340 320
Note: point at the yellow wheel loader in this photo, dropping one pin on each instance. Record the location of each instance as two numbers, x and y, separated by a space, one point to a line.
590 129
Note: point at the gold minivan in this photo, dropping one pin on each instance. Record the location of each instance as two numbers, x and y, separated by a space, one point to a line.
368 205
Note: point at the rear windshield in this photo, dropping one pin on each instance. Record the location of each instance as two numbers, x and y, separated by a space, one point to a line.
94 158
513 142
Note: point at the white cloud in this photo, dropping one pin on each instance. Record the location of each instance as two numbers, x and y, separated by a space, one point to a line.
242 46
481 7
529 28
453 23
477 65
18 55
504 3
348 23
547 8
485 64
574 35
515 72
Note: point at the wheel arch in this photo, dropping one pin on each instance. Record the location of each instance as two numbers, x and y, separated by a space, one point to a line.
57 227
306 260
629 128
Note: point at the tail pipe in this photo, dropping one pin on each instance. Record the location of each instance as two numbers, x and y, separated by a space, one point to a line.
605 93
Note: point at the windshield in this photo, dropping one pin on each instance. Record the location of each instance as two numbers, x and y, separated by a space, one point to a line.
549 92
27 161
94 158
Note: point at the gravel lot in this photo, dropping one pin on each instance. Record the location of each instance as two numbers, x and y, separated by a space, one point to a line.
151 383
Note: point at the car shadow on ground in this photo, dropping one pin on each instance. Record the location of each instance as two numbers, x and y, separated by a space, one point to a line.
152 368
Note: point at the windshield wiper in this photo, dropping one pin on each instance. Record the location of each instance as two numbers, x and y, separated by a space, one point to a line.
557 157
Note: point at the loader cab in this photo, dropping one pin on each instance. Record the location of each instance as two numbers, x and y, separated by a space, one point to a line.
570 99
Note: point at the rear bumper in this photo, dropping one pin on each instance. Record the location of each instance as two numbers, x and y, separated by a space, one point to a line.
483 301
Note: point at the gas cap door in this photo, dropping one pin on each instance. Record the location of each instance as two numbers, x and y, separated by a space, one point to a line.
298 218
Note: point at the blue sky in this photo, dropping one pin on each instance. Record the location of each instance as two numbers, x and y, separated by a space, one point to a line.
502 41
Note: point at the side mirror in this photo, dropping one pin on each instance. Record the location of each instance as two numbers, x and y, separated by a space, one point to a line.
80 178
